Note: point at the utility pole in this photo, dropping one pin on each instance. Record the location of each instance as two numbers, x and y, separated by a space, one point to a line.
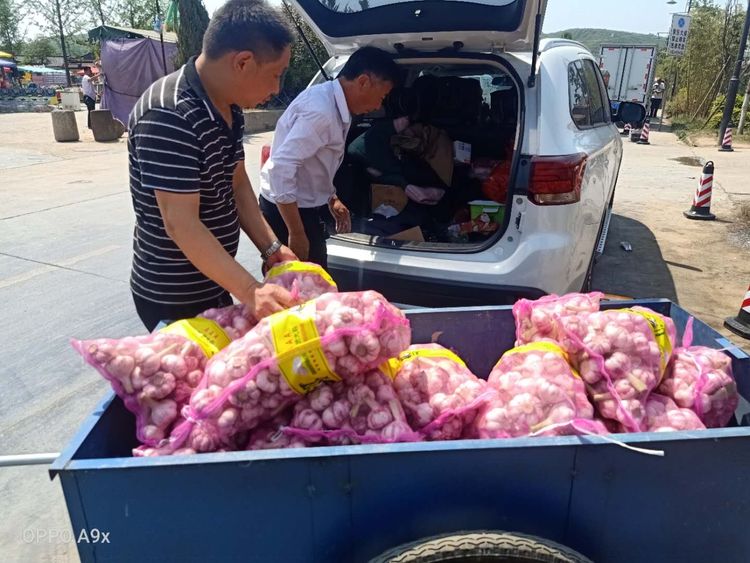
161 37
734 82
62 42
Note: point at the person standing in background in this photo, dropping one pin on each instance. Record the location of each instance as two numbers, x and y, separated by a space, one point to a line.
89 93
657 93
296 183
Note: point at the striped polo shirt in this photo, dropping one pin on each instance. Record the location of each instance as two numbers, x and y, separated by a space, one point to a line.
178 142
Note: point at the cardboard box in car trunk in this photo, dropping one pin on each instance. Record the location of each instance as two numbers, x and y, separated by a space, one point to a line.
388 195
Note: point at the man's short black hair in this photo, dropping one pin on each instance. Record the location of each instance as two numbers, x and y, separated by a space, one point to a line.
247 25
374 61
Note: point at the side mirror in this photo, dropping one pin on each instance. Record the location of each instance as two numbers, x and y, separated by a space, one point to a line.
629 112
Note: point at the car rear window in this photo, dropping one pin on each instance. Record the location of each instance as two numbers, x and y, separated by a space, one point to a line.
589 104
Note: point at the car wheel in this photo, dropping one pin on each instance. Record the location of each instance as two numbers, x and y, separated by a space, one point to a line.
482 547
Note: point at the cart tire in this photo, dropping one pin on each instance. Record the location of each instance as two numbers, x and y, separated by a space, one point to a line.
480 547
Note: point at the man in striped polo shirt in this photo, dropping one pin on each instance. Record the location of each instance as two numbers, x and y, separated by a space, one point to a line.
190 191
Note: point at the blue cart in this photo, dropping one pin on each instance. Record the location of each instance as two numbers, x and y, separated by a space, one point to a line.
352 503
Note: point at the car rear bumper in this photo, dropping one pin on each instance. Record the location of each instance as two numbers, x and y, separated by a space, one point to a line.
535 265
413 290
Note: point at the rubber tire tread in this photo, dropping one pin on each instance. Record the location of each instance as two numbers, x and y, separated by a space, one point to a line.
487 544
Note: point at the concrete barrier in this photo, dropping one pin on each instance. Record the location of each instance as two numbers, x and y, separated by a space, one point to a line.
259 120
64 126
105 127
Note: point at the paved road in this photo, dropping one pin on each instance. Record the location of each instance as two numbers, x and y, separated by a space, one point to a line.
65 231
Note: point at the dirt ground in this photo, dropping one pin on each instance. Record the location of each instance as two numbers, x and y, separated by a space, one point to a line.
702 265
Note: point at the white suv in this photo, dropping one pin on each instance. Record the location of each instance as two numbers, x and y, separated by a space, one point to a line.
547 133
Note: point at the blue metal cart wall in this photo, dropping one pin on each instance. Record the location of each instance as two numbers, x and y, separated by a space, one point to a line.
350 503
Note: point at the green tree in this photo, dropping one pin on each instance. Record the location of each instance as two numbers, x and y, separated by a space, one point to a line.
567 35
11 36
704 70
63 18
137 14
37 51
302 66
192 22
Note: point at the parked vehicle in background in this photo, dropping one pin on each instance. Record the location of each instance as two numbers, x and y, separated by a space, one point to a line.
629 70
534 115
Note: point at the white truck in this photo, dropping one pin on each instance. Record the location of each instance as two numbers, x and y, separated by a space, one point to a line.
628 71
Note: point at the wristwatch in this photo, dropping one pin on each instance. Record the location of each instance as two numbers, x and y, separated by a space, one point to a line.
271 250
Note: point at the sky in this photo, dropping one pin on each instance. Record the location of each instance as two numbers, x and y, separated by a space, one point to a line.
640 16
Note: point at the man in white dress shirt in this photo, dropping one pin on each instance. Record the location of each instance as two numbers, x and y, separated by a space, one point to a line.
296 183
89 93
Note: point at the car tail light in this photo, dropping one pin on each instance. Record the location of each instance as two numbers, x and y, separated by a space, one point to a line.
265 154
556 180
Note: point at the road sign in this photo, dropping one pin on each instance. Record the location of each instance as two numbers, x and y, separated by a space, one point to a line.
678 34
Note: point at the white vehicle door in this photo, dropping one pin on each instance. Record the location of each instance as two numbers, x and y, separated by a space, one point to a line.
597 137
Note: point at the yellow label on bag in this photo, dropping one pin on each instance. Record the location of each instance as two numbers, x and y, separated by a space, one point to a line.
430 353
299 354
300 267
393 366
550 347
390 368
659 329
204 332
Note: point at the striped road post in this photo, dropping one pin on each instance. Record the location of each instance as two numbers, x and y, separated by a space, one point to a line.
741 323
726 144
644 133
701 208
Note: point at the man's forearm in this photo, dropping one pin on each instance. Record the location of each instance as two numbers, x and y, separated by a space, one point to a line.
207 254
292 218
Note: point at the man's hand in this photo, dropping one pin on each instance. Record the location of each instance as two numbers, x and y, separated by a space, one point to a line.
300 245
341 214
283 254
266 299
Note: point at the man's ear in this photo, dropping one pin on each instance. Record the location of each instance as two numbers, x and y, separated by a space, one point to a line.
244 61
363 81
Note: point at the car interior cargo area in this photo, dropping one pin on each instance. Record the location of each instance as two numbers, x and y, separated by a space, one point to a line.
433 166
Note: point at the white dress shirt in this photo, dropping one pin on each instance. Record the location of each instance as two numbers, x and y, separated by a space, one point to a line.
308 148
87 87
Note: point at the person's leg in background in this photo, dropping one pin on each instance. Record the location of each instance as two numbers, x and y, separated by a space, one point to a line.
90 105
316 233
311 221
151 314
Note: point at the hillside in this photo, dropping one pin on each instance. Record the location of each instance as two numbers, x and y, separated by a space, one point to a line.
594 38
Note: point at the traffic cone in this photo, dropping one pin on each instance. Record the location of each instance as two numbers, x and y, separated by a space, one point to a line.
626 130
726 144
701 208
644 133
741 323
